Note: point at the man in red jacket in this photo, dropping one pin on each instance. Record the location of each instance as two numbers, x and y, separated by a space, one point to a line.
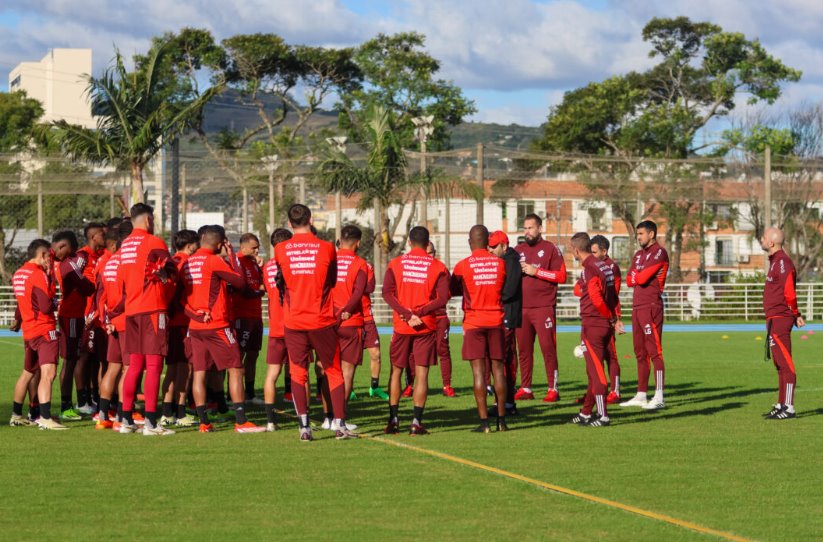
647 275
308 267
782 313
600 250
415 287
543 269
93 341
479 279
247 305
598 311
35 293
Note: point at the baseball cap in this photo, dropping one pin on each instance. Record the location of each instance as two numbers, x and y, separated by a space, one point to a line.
498 237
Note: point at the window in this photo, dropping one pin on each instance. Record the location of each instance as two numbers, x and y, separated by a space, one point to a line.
597 219
14 84
524 208
619 250
722 214
718 277
724 252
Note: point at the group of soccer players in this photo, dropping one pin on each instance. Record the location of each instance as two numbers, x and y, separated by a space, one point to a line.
127 304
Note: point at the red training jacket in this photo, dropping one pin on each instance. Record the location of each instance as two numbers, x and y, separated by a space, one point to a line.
479 279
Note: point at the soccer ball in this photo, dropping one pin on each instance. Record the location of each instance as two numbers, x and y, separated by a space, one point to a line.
578 351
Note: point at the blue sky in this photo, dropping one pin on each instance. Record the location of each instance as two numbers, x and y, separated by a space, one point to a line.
515 58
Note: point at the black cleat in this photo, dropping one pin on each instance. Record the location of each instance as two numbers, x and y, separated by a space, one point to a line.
775 409
482 428
599 422
392 428
783 414
581 419
501 425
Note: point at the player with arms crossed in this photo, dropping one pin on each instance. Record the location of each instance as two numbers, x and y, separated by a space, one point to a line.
600 250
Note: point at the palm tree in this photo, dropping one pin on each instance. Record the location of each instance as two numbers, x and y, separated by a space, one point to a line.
137 114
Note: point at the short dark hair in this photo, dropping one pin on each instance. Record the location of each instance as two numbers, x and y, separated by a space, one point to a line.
582 241
536 218
212 233
601 241
114 221
279 235
92 226
419 236
66 235
35 246
351 233
113 234
299 215
184 238
124 229
648 225
140 209
246 237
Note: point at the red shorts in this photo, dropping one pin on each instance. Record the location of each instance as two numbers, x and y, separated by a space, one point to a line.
350 339
71 333
277 353
40 351
484 343
94 341
422 347
116 351
371 338
214 348
301 342
249 334
147 334
179 350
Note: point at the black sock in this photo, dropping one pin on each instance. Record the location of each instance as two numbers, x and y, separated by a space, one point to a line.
168 409
34 411
222 407
82 397
271 416
151 417
375 383
104 409
120 410
240 413
418 415
17 408
320 380
286 379
201 413
65 402
95 396
393 412
114 399
484 422
45 410
127 417
181 411
249 391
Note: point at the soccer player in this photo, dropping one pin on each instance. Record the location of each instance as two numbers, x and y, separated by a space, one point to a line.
276 355
75 288
782 313
371 339
93 342
308 267
178 362
598 304
415 287
480 279
247 308
543 269
145 268
600 250
512 297
35 293
205 276
647 275
443 348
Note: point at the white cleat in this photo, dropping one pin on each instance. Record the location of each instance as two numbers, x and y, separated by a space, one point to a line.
166 420
327 423
50 425
638 400
335 426
186 421
86 410
157 431
272 427
20 421
126 428
654 404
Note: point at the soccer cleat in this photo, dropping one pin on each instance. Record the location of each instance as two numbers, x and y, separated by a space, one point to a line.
581 419
305 434
783 414
334 426
248 427
20 421
775 409
70 415
85 410
654 404
125 428
523 394
352 396
326 424
206 428
272 427
50 424
96 417
408 391
115 426
379 393
448 391
392 428
103 424
612 398
482 428
638 400
186 421
288 397
599 421
417 429
156 431
138 418
551 396
166 420
501 425
345 434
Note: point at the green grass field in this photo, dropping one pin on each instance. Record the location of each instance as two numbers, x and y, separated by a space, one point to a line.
709 459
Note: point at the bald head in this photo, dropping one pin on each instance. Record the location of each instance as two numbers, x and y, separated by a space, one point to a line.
772 240
479 237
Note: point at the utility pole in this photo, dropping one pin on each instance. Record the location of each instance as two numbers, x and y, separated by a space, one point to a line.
40 226
423 129
245 209
175 185
339 144
183 197
480 175
767 193
271 165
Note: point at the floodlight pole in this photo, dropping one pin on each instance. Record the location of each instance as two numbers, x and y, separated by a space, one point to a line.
424 127
339 144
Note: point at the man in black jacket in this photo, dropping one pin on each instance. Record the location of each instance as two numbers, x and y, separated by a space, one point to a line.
512 309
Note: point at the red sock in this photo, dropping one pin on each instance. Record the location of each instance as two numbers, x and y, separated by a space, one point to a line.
154 366
136 364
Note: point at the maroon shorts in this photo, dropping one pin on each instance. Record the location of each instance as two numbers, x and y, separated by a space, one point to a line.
350 339
40 351
277 353
249 334
179 350
147 334
214 348
301 342
71 333
371 338
94 341
484 343
116 351
422 347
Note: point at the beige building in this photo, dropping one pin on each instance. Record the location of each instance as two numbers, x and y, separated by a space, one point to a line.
58 81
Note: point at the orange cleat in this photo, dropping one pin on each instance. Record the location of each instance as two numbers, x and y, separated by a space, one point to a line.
206 428
448 391
551 397
248 427
104 424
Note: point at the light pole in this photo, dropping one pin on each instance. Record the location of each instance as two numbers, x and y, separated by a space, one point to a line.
271 165
339 144
423 129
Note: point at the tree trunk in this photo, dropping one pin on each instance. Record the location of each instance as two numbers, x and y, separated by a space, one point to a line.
137 195
675 250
